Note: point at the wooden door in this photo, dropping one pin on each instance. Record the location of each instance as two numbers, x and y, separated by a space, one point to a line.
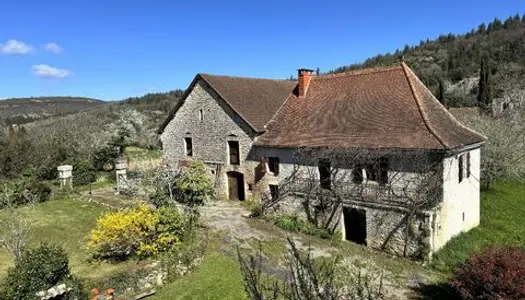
233 186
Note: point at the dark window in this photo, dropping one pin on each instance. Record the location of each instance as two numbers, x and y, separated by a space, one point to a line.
357 175
233 149
274 191
273 165
325 174
468 165
201 115
383 170
461 165
371 172
189 146
378 171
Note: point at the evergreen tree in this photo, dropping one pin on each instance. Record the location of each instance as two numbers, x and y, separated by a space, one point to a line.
441 92
484 87
482 28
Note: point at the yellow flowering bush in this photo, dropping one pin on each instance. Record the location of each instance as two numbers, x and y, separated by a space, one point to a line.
138 231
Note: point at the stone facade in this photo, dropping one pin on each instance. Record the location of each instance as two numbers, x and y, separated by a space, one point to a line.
211 123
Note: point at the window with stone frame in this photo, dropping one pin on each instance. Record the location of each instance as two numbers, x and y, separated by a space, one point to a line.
357 174
273 165
233 151
274 191
378 171
325 174
188 146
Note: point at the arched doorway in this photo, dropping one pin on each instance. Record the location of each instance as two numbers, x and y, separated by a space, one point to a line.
235 186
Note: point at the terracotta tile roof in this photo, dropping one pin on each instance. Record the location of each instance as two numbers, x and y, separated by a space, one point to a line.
375 108
256 100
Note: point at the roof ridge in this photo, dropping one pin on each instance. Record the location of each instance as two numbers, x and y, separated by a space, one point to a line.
424 116
360 72
251 78
235 110
452 117
279 109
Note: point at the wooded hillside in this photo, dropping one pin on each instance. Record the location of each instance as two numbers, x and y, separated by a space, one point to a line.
455 59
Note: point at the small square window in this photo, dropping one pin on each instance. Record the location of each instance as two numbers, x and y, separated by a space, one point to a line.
189 146
273 165
274 191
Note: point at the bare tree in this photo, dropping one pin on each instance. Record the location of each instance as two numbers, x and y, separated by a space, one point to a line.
310 279
325 180
15 227
503 155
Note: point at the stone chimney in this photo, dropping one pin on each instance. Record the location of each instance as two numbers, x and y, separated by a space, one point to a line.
304 76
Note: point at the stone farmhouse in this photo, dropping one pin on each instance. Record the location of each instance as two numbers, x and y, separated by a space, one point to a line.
247 132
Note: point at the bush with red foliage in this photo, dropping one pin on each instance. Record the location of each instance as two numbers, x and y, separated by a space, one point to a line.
494 274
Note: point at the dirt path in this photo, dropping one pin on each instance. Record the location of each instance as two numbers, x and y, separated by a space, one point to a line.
232 220
235 229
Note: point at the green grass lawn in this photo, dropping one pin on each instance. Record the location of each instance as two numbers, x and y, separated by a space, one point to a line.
67 223
502 223
218 277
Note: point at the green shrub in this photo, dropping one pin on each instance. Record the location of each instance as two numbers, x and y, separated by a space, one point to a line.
104 158
41 190
159 198
256 209
289 223
194 185
83 173
40 269
296 224
23 191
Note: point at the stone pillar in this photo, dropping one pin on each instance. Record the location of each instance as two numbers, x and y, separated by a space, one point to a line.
120 169
65 175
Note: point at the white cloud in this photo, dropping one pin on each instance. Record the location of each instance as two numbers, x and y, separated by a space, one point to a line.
54 47
47 71
15 47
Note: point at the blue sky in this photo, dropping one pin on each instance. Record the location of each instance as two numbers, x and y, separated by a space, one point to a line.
115 49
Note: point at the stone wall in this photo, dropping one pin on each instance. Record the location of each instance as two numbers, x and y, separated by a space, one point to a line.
460 209
209 136
387 225
457 211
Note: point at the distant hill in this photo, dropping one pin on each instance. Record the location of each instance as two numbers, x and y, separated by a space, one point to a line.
26 110
454 60
154 101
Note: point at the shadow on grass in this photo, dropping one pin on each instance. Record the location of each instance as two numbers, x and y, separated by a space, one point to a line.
436 291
